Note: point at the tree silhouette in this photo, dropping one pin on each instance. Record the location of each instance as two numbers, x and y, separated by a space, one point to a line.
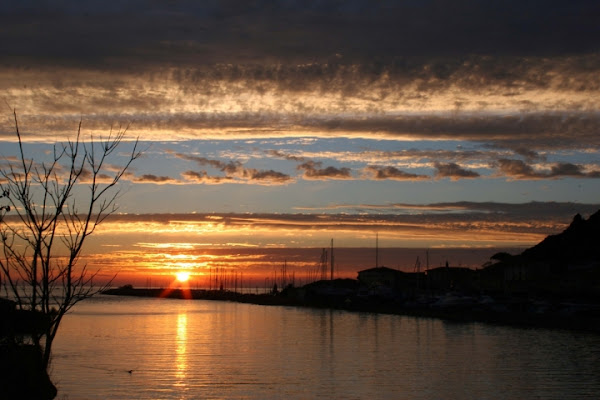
49 210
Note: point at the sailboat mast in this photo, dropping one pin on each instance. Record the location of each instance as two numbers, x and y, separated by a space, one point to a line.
376 249
331 259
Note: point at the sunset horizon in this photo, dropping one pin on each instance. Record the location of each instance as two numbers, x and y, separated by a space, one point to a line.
476 129
299 199
253 247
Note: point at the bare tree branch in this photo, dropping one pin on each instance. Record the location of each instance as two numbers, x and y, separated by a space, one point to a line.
43 241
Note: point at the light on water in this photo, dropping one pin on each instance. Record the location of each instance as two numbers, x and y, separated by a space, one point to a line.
182 366
115 348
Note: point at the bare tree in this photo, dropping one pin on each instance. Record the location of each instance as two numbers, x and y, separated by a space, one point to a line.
49 210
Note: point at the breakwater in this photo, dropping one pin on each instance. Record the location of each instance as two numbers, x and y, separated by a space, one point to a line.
507 311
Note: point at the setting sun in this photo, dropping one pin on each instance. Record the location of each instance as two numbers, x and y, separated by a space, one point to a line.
182 276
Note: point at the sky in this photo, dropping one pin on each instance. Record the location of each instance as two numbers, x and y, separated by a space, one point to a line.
285 124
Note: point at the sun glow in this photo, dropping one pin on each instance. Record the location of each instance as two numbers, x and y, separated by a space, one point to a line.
182 276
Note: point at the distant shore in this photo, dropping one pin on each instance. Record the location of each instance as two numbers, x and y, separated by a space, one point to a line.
510 312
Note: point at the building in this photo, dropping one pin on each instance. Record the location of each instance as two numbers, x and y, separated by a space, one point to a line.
448 278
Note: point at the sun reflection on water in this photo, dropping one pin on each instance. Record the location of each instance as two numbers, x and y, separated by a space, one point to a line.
181 361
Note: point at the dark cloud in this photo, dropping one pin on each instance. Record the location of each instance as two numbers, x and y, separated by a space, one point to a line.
202 161
519 78
453 171
378 57
450 168
313 171
529 154
419 155
538 130
518 169
150 178
290 157
203 177
231 167
534 130
406 81
269 176
512 211
534 218
571 170
94 33
522 103
566 169
380 173
234 171
421 158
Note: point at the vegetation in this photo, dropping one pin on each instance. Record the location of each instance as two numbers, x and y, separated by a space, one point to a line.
49 209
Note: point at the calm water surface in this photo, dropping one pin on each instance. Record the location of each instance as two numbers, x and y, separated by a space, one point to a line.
192 349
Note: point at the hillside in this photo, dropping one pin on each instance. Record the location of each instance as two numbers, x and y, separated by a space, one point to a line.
562 266
579 244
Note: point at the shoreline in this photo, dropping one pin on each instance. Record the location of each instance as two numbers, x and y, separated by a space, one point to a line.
511 312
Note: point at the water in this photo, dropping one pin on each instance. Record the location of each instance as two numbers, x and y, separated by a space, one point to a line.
180 349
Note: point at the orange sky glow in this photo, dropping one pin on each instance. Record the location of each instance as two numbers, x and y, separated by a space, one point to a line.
152 250
466 126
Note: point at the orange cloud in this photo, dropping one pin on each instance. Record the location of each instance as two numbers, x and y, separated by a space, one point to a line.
519 169
313 171
394 173
453 171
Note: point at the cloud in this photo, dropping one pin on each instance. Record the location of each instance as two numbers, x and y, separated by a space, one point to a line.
410 158
267 176
448 164
453 171
518 169
534 131
243 175
380 173
235 172
59 170
151 178
506 213
512 74
230 168
529 154
281 154
203 177
313 171
449 223
509 81
518 102
203 161
571 170
188 33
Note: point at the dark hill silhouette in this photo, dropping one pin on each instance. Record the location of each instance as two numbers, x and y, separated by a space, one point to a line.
576 245
563 266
